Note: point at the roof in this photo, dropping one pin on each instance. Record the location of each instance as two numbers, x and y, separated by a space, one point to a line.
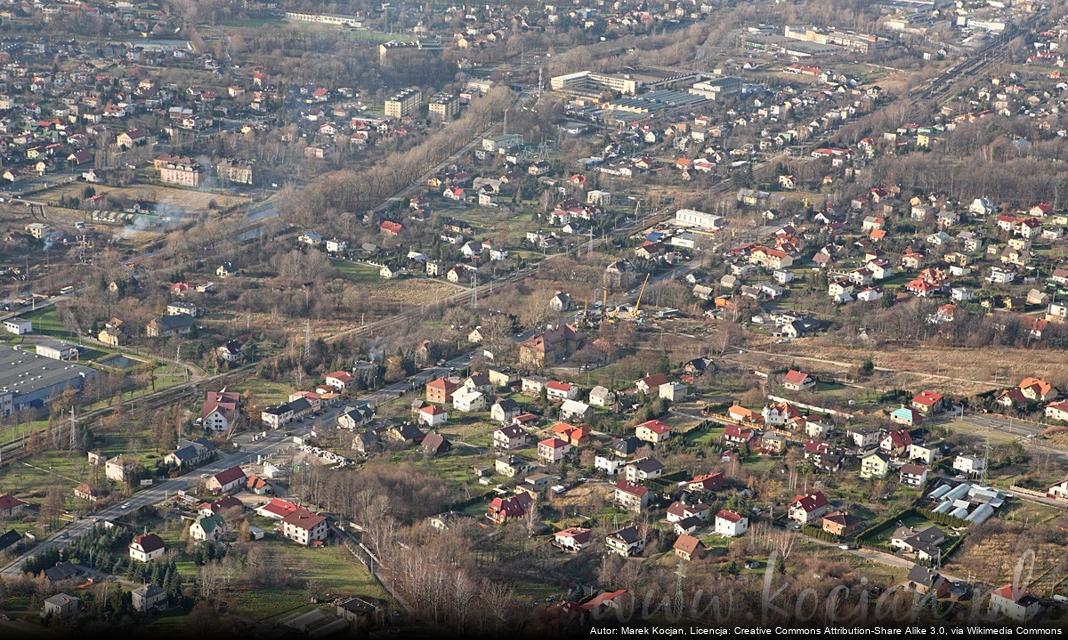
8 501
279 507
149 542
687 544
730 516
796 377
303 519
656 426
927 398
233 474
810 502
632 489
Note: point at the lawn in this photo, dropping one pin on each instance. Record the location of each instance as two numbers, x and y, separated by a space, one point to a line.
356 271
329 572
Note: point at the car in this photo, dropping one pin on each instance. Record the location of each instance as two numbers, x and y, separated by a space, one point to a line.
844 547
125 506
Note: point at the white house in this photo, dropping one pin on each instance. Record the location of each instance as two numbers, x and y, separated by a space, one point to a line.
147 547
969 464
730 524
434 415
467 400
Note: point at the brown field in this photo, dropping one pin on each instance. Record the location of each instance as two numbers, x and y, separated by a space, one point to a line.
995 560
955 370
411 291
184 199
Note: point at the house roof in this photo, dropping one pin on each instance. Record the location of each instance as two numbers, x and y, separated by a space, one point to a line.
228 476
8 501
656 426
149 542
303 519
730 516
796 377
810 502
633 489
687 544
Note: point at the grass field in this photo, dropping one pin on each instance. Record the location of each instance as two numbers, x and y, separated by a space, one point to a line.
185 200
329 572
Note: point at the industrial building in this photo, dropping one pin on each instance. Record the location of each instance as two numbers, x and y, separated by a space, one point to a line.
28 380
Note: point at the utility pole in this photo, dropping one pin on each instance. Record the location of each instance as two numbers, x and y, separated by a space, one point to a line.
73 429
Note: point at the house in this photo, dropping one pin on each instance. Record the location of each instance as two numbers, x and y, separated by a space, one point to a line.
10 506
1013 603
969 464
682 510
304 527
356 415
190 453
118 469
626 542
146 547
1057 411
510 437
839 523
922 452
561 301
557 390
207 527
166 326
576 436
552 450
874 465
631 497
148 597
549 347
440 390
905 416
219 410
433 415
673 391
705 482
688 547
226 481
649 385
1037 389
925 544
573 539
806 509
738 435
406 434
574 410
501 510
513 466
85 492
642 470
60 605
896 443
927 402
504 410
467 400
602 397
653 431
797 380
730 523
434 444
924 580
913 475
340 380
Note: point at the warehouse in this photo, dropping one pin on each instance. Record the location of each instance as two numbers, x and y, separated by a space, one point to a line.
30 380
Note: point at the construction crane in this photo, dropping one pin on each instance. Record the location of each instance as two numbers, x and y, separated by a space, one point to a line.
638 302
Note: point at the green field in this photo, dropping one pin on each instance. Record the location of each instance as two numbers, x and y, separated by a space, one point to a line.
356 271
